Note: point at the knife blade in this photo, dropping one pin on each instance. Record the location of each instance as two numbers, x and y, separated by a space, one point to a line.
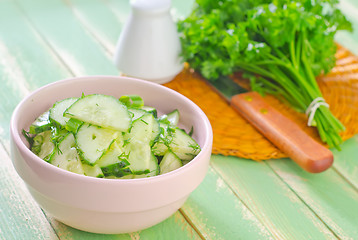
285 134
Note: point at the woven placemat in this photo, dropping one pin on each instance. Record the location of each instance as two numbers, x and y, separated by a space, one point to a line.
234 136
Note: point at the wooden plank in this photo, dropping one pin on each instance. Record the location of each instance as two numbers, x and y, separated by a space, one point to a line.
331 198
55 21
175 227
120 8
349 8
345 161
218 214
20 216
99 19
278 208
26 62
29 53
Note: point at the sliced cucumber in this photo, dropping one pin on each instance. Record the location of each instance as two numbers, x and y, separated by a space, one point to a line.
102 110
153 171
117 170
184 146
135 176
41 124
151 110
112 155
102 136
169 162
66 157
56 112
92 141
141 158
137 113
155 133
75 166
114 162
165 138
129 176
159 148
171 118
58 133
92 171
42 145
185 162
144 129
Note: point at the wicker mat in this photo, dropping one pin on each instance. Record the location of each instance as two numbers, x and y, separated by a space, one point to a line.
234 136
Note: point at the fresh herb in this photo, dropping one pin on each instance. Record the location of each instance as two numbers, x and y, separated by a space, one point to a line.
126 141
281 45
123 158
41 124
28 137
195 147
191 132
37 143
144 121
116 169
164 119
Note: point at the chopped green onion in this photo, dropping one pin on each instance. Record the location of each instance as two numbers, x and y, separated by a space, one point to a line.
134 101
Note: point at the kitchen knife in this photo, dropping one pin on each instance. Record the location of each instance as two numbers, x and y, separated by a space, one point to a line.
280 130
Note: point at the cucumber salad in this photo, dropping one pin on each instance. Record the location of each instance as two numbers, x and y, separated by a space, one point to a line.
102 136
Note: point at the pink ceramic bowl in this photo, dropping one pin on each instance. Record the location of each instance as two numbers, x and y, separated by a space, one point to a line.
108 205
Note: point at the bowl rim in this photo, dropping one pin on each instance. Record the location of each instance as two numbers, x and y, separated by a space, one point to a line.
16 135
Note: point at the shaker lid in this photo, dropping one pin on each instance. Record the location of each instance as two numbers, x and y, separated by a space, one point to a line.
150 6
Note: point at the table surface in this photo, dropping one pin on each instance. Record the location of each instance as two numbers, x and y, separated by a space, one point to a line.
42 41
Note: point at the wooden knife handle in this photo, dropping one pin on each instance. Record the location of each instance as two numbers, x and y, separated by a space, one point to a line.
283 132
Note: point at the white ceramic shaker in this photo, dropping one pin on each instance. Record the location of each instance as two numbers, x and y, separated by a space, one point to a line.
149 45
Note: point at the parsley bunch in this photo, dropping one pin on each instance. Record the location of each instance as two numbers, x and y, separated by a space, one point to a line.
280 45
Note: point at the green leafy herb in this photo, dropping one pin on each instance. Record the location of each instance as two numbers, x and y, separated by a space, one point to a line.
281 45
28 137
41 124
38 140
191 132
116 169
144 121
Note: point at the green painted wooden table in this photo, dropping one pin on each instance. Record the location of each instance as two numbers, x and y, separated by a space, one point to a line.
42 41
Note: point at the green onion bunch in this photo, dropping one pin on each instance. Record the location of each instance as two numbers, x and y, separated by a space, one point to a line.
280 45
